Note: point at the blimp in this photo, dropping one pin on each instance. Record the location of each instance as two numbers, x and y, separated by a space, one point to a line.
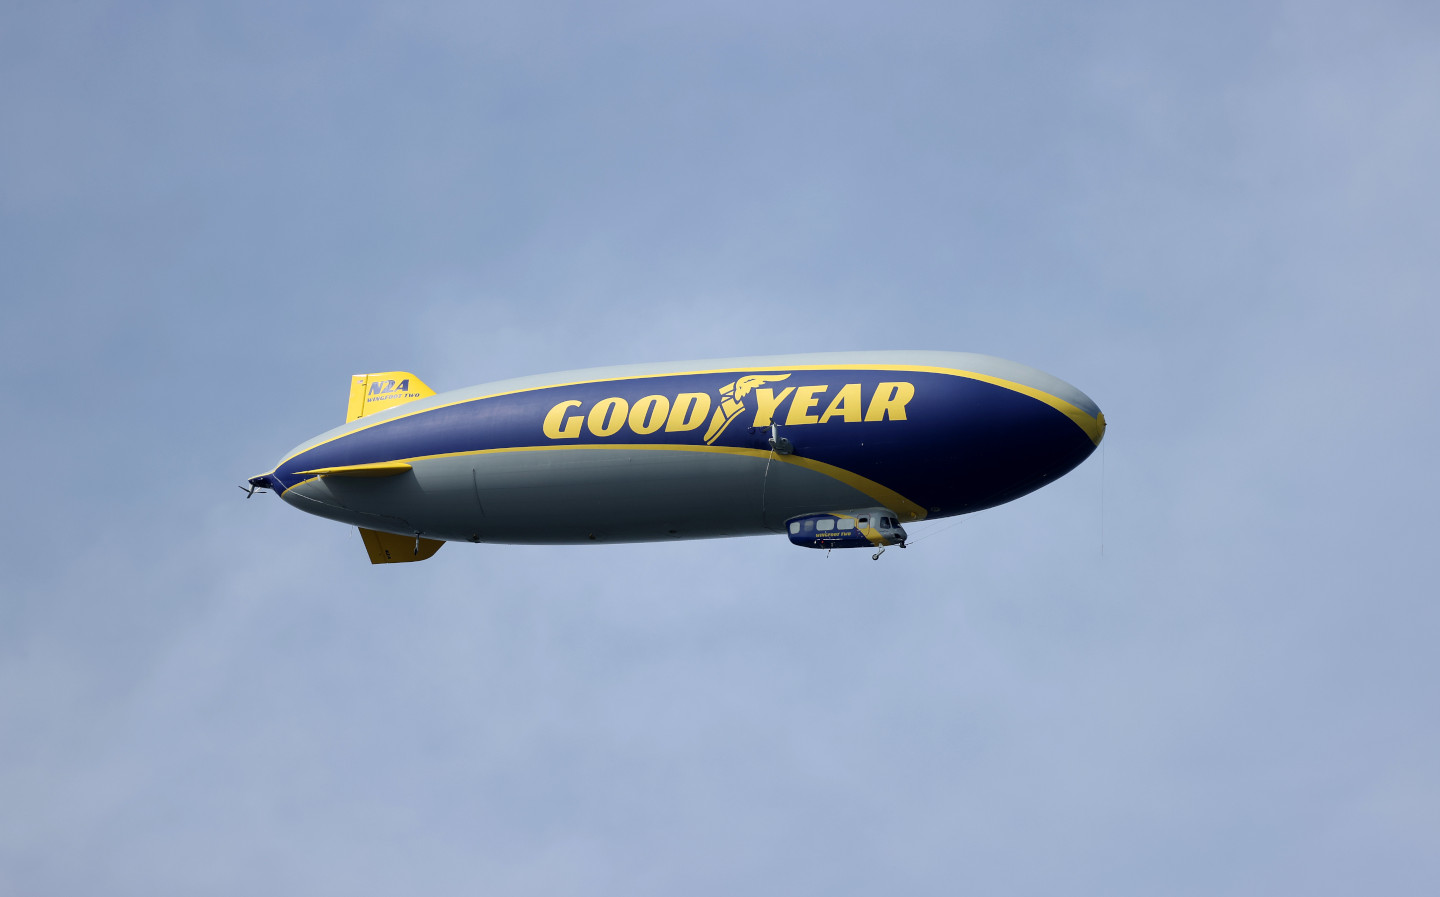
830 450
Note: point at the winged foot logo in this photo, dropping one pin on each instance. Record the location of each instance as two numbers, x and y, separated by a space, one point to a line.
688 410
732 402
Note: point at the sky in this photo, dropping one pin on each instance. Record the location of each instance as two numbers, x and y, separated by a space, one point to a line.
1201 663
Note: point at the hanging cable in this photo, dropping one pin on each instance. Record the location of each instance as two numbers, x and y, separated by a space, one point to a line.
937 532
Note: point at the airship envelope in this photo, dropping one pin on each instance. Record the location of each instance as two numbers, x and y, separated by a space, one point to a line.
833 450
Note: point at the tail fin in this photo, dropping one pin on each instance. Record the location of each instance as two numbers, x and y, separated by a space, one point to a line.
373 393
388 548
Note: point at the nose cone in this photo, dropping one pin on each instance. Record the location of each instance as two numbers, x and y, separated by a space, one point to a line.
1050 439
1017 439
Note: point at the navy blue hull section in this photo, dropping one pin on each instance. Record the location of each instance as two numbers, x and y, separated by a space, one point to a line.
951 444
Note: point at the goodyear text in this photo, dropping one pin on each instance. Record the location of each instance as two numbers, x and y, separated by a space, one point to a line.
796 405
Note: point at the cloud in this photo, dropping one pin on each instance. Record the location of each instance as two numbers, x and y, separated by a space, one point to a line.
1214 222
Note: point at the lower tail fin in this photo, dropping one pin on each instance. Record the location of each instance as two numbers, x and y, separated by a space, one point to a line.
388 548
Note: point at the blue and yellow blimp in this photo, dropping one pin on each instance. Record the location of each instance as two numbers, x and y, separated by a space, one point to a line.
835 450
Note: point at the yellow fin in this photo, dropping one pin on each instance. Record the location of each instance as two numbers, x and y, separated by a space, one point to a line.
373 393
388 548
380 469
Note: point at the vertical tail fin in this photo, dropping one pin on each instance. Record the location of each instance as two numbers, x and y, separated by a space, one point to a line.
373 393
388 548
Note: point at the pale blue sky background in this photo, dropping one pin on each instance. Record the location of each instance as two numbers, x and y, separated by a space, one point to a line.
1219 220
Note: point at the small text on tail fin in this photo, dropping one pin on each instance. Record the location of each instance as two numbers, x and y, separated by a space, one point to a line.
373 393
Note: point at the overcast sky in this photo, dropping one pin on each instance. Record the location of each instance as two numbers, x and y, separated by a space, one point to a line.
1203 663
